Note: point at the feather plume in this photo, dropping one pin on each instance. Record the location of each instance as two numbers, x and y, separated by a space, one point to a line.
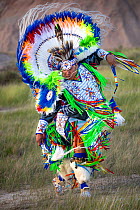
59 33
64 52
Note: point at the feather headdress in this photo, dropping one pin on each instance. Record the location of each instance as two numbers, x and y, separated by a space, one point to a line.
46 39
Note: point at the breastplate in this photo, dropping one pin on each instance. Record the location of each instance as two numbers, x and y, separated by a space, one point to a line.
86 88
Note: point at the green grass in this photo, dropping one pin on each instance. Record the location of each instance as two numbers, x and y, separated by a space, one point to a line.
122 158
15 95
20 156
113 201
8 76
44 198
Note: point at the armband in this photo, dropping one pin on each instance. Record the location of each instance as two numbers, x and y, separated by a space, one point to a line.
41 126
102 53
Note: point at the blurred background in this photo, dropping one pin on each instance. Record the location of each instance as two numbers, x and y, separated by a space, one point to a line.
124 15
20 158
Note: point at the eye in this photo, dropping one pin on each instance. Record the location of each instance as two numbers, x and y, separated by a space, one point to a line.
49 95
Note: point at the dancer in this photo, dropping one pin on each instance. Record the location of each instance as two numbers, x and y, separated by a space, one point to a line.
57 57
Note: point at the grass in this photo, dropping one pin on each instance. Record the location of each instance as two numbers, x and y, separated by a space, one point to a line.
122 158
9 76
114 199
131 53
15 95
20 156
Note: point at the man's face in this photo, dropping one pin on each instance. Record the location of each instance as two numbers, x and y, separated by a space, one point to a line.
71 73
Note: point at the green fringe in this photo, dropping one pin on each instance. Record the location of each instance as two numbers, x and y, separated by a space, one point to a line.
55 166
93 134
70 99
93 114
91 157
94 163
53 134
118 54
57 138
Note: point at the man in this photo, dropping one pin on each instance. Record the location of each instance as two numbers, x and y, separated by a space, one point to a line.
66 113
70 74
56 55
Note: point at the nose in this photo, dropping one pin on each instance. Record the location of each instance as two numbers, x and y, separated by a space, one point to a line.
65 72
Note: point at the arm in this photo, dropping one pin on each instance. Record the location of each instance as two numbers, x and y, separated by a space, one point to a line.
40 131
44 121
110 58
95 58
92 59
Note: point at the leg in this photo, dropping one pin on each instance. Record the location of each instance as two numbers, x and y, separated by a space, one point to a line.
82 175
62 179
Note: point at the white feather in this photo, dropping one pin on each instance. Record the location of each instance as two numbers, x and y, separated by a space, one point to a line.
119 119
59 154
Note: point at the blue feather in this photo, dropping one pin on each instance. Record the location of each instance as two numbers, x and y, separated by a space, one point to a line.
44 99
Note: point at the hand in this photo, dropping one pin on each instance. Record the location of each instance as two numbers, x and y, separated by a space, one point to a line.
111 59
39 139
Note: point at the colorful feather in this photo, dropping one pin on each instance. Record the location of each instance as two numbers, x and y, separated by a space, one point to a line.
126 63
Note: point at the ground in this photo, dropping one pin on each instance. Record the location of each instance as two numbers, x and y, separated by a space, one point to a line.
107 187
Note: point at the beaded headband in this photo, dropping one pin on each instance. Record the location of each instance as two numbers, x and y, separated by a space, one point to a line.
67 64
